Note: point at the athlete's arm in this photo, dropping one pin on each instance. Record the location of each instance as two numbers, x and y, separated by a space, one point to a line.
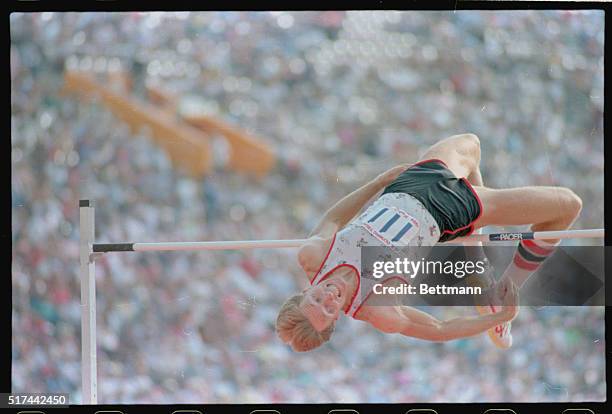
344 210
414 323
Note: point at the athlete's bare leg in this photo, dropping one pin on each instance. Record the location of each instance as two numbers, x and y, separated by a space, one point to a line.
544 208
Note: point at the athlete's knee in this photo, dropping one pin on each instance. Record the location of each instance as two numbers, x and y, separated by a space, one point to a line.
567 203
472 142
472 138
571 202
469 149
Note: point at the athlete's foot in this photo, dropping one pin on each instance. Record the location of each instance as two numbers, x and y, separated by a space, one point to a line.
501 335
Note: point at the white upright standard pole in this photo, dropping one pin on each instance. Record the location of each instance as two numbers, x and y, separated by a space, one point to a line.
88 304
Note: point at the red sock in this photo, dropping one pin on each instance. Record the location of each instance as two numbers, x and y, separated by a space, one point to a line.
528 258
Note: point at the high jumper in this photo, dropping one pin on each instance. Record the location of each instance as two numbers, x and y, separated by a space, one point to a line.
440 199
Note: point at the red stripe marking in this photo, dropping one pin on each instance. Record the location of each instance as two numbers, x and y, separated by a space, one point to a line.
324 260
536 248
429 160
524 264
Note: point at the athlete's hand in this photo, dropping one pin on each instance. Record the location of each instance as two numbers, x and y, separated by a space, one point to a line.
388 176
510 299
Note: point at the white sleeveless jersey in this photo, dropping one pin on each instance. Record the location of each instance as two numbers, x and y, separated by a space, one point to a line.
394 219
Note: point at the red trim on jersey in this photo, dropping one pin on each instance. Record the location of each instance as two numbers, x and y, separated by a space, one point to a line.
324 260
533 247
524 264
367 297
471 223
358 281
429 160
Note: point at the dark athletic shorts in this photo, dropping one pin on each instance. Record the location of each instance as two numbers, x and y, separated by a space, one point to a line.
451 201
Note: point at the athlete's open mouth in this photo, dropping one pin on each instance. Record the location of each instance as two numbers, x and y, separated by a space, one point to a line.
335 289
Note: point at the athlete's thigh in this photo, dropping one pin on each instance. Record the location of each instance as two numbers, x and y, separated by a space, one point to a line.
521 205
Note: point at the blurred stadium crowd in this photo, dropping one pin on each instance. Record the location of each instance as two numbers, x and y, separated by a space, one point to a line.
341 97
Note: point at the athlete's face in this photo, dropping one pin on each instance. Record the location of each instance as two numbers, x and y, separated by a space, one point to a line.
322 303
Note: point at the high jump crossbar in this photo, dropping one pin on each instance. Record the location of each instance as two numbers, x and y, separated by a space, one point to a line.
276 244
89 250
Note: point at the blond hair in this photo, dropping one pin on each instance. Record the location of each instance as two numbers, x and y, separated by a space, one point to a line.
295 329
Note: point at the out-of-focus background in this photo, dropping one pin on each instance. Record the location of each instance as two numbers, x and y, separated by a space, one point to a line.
224 126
